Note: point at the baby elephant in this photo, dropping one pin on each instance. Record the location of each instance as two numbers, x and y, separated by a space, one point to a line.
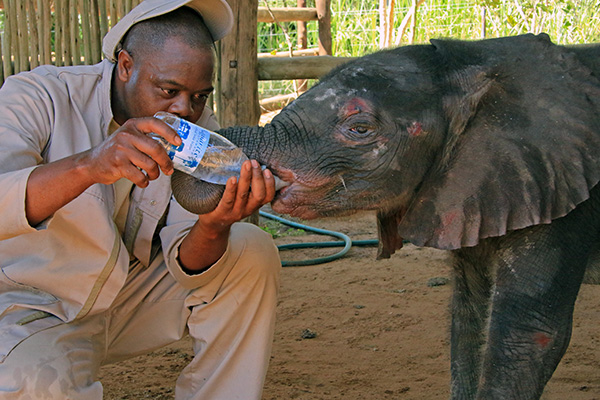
490 149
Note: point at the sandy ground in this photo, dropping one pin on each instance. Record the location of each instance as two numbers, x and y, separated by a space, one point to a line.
357 328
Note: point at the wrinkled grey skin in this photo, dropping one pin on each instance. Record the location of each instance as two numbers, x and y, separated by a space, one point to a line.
490 149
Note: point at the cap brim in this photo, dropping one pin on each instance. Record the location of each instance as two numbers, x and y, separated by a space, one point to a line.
217 16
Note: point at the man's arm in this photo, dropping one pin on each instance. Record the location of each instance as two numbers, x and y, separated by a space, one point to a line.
127 153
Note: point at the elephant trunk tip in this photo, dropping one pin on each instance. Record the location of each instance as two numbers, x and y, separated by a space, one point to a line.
279 183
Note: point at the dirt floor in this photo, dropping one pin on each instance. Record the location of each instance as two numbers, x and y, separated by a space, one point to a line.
357 328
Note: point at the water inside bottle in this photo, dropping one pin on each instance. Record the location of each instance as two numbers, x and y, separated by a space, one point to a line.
216 166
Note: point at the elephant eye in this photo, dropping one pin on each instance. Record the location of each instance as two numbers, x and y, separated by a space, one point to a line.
361 130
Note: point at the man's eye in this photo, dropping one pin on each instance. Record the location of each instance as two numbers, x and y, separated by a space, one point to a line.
169 92
200 98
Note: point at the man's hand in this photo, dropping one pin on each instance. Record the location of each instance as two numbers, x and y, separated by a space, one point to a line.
207 241
254 189
128 153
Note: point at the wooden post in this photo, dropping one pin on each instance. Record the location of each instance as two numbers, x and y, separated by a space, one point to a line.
324 15
236 89
237 80
301 84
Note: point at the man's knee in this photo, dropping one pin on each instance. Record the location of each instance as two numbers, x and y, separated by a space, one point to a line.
259 250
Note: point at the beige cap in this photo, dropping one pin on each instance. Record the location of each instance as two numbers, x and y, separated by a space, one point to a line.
217 16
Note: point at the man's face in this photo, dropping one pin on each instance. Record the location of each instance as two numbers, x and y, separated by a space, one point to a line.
176 79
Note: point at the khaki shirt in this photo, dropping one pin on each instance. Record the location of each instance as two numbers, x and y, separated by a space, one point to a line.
74 263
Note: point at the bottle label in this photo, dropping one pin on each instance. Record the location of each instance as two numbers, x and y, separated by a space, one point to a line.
194 143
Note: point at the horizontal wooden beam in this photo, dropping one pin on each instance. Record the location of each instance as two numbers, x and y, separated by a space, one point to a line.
286 14
276 102
295 53
308 67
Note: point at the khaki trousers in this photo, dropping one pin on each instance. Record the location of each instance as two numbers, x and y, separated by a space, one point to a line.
230 319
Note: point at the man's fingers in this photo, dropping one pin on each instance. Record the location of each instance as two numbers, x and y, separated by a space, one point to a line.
156 126
156 152
245 181
136 176
269 186
229 196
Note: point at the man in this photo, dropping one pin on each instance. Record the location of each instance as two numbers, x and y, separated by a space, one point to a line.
99 262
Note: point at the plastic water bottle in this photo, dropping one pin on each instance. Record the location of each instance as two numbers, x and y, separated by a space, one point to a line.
204 154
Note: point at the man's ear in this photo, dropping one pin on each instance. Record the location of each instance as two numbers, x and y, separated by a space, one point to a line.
124 66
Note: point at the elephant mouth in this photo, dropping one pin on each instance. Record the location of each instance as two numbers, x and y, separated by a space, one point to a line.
308 200
289 201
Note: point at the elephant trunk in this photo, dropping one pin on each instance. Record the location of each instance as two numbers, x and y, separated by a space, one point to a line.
200 197
256 142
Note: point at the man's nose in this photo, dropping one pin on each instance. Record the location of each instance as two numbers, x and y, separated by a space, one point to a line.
182 107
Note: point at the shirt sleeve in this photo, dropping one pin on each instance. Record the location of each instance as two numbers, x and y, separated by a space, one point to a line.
25 127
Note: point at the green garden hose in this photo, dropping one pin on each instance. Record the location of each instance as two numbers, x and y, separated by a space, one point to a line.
346 242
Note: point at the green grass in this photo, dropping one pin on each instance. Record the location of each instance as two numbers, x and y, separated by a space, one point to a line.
355 25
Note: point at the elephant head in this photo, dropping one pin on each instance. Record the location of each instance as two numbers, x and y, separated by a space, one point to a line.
451 142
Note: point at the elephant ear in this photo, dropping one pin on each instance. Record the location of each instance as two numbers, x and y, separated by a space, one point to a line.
387 230
523 144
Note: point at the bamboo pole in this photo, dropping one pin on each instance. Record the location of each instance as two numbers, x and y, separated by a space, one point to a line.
74 32
1 58
113 13
383 10
103 18
43 21
58 37
390 24
413 30
14 36
7 39
34 39
407 18
95 38
483 22
6 64
85 7
121 4
23 37
65 32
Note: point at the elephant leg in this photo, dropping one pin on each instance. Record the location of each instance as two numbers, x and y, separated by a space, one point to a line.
538 274
470 311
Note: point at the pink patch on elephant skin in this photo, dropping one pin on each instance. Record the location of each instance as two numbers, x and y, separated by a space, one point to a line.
354 106
542 339
415 129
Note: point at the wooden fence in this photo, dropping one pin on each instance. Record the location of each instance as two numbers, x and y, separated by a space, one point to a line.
236 97
59 32
70 32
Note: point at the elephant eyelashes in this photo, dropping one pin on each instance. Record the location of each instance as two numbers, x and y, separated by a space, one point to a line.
360 130
359 126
